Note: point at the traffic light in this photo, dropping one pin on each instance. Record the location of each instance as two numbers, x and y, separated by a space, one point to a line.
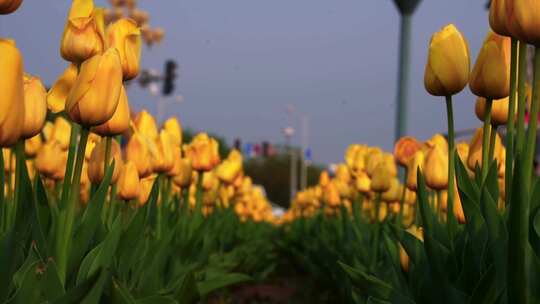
265 149
169 77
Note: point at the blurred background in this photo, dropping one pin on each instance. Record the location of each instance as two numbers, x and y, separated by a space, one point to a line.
264 76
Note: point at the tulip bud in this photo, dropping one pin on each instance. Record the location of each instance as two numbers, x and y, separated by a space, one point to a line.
405 148
164 159
96 164
373 159
57 95
351 154
490 77
137 152
32 145
229 169
381 178
49 160
390 163
331 196
128 182
343 174
12 93
61 132
437 140
145 188
172 125
393 194
125 36
499 110
324 178
447 68
146 125
498 18
416 163
84 33
183 177
403 257
9 6
363 182
203 152
436 168
119 122
523 20
36 103
95 94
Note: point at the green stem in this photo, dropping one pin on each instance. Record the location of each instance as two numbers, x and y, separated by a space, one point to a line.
69 164
439 205
451 219
510 124
492 142
530 145
2 200
19 158
108 141
159 205
375 244
522 95
485 138
65 231
402 200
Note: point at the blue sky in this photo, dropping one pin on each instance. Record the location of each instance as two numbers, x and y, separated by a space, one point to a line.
243 61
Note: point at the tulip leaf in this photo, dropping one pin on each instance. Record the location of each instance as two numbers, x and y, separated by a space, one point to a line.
120 294
156 299
41 216
79 292
187 292
90 220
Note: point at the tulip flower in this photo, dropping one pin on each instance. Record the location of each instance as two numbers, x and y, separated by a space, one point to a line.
9 6
324 179
60 132
381 178
172 125
523 20
128 182
229 169
373 159
145 188
32 145
84 32
394 192
331 196
499 110
12 111
137 152
96 164
363 182
203 152
490 77
403 257
35 100
417 162
49 160
95 94
405 148
146 125
164 159
498 17
436 169
343 174
183 178
447 68
57 95
119 122
125 36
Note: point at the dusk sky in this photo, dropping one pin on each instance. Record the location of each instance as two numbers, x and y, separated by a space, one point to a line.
243 61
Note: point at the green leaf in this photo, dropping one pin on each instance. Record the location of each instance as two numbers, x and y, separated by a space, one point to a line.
208 286
120 294
79 292
157 300
188 292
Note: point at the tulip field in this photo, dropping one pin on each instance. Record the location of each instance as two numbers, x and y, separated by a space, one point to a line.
101 205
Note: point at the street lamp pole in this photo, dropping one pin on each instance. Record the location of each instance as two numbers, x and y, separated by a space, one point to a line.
406 9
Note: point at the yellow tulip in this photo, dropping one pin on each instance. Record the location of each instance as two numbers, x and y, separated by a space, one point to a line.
390 163
462 149
523 20
331 196
96 164
373 159
172 125
35 100
498 19
125 36
343 174
394 192
49 160
61 132
381 178
57 95
128 182
499 110
12 93
447 68
119 122
32 145
95 94
416 163
229 169
437 140
363 182
403 256
93 140
146 125
84 32
209 181
137 152
9 6
436 168
164 159
145 188
324 178
490 77
203 152
405 148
